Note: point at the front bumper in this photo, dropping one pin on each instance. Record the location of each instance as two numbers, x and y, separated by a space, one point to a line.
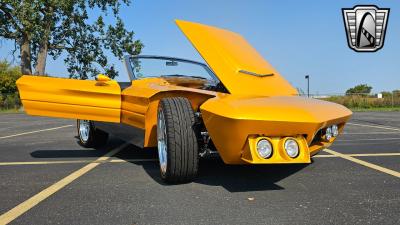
234 127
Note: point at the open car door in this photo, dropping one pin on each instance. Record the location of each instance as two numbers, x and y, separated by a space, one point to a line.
68 98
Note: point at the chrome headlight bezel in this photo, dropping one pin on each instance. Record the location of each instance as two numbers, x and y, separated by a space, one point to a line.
335 130
291 147
328 133
264 148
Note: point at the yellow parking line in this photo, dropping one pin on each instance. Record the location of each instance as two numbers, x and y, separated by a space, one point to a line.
364 163
374 154
36 131
381 132
155 159
380 127
74 161
369 139
324 156
36 199
358 155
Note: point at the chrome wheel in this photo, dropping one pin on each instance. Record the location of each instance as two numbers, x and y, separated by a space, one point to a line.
162 142
84 128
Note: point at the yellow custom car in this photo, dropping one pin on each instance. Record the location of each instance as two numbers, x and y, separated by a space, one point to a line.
236 105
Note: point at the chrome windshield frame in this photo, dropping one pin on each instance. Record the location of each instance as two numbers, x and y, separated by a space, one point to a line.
129 68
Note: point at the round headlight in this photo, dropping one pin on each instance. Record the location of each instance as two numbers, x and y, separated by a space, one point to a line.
291 148
328 133
264 148
335 130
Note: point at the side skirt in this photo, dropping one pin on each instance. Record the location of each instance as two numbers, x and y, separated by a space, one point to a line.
122 131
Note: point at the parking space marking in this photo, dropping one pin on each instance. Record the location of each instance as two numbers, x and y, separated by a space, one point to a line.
74 161
36 199
383 132
364 163
374 154
358 155
155 159
368 139
36 131
373 126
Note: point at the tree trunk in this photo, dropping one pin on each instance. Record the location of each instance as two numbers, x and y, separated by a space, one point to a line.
25 53
44 43
41 58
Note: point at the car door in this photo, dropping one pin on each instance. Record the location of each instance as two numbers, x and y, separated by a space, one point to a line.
69 98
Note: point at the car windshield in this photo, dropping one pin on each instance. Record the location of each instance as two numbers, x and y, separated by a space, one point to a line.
143 67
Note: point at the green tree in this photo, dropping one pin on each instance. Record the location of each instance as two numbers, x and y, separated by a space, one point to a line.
51 27
8 76
396 93
362 89
8 89
386 94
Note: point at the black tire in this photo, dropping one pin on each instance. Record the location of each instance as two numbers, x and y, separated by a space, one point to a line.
96 137
181 143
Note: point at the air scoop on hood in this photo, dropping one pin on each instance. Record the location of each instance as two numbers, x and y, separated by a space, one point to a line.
241 69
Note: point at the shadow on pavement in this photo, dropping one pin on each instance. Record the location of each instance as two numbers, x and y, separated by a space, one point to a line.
77 153
213 172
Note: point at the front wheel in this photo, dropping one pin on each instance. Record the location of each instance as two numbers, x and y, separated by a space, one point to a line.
177 144
89 136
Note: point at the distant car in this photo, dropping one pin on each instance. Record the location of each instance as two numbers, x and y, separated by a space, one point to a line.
236 105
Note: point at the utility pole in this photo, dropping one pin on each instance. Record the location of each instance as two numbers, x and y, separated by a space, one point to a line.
308 85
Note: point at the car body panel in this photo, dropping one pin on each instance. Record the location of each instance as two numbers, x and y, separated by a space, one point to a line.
135 106
128 133
233 121
140 103
228 53
69 98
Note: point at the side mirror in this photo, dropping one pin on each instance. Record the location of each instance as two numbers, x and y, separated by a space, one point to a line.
102 78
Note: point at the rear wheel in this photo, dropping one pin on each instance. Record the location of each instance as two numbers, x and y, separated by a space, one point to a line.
177 144
89 136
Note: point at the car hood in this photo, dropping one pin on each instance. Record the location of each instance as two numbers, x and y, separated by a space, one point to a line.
278 109
241 69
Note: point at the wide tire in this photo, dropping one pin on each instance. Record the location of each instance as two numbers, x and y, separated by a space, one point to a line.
89 136
177 143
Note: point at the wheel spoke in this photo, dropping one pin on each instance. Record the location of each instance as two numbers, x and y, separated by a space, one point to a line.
84 127
162 145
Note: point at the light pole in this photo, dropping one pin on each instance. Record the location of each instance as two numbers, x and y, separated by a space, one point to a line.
308 85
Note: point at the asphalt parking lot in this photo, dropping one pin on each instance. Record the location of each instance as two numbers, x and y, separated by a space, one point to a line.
47 178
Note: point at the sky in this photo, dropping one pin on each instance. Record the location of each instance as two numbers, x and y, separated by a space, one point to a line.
297 37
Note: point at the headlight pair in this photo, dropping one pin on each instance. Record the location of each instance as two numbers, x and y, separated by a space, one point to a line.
331 131
265 150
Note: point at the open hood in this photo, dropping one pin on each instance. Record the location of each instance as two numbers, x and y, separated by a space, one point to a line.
241 69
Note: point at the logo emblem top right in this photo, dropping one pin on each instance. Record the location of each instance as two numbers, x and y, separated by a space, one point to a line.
365 27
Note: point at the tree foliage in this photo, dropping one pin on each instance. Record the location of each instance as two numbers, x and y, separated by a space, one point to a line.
8 76
389 94
362 89
52 27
